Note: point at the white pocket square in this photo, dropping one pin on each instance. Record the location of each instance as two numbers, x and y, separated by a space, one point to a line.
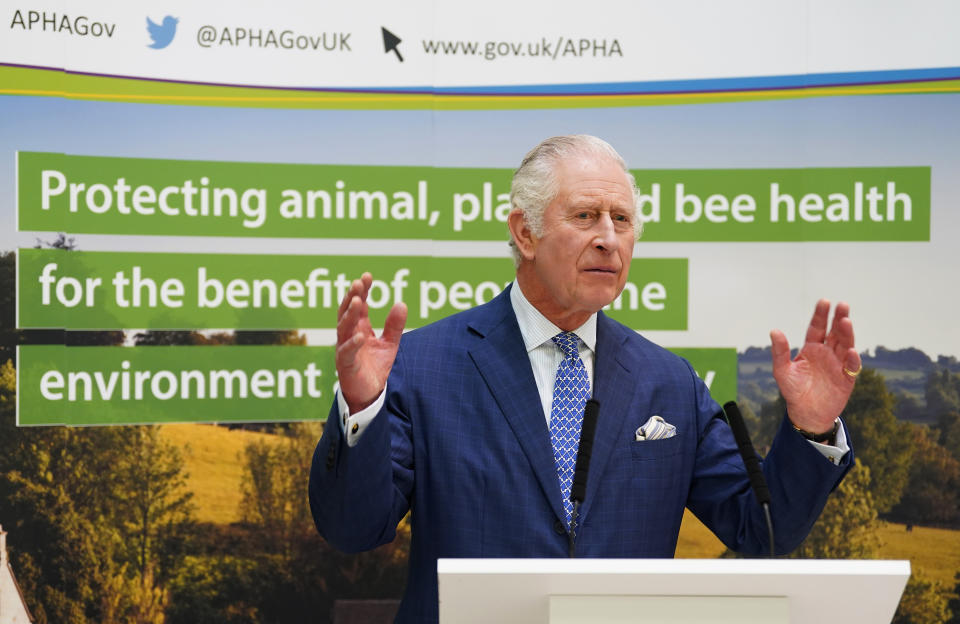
656 428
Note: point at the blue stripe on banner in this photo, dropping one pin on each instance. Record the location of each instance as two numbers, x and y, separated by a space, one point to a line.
712 85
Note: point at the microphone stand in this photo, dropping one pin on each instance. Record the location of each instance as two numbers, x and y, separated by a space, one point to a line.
579 487
757 481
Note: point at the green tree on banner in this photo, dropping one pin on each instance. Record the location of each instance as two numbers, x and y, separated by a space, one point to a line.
847 528
153 503
942 393
91 513
932 495
924 602
881 442
948 428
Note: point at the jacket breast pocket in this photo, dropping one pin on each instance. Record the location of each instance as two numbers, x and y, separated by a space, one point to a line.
649 450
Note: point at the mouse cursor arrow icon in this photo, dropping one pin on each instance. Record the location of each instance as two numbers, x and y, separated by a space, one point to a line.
390 43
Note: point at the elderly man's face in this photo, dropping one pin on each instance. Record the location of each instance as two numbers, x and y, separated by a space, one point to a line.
581 261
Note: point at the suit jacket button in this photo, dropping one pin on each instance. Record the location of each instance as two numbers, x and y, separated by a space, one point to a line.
331 458
558 527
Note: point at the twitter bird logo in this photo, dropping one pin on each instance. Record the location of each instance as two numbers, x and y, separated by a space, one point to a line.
162 33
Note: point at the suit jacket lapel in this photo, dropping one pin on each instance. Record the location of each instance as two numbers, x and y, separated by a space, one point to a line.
505 367
615 384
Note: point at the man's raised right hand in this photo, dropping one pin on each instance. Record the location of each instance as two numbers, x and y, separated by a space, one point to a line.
363 360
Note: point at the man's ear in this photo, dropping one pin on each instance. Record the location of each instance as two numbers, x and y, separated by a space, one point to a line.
522 236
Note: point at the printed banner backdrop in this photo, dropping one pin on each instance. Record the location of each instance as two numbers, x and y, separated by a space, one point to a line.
218 170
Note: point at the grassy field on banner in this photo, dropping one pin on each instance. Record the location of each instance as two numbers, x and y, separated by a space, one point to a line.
212 457
935 552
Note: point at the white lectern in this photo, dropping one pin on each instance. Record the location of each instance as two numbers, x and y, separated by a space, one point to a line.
608 591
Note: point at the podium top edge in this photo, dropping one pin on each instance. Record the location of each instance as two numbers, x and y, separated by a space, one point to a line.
803 567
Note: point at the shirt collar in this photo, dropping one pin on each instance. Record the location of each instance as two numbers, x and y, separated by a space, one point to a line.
536 329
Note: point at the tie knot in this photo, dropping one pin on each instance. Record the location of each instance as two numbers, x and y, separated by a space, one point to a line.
569 343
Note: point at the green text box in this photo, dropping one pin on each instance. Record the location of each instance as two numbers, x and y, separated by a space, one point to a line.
108 195
717 368
810 204
60 385
181 198
59 289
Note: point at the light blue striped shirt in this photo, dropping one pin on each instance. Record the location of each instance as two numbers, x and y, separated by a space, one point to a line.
545 356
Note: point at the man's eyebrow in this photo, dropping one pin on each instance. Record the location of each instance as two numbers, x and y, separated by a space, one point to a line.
593 202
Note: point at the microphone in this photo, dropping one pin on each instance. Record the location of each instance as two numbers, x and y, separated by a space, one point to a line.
579 487
752 463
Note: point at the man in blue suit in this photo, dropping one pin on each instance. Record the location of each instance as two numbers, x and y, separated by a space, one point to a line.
462 422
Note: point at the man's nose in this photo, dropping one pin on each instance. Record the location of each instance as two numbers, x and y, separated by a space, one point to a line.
605 238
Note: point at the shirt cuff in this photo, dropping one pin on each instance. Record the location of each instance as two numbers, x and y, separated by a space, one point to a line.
353 425
836 452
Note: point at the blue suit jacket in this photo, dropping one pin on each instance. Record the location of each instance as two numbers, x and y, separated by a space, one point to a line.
462 441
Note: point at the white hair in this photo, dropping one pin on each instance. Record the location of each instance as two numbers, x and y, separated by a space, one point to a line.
535 182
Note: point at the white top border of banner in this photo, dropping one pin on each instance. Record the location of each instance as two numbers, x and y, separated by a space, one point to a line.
498 46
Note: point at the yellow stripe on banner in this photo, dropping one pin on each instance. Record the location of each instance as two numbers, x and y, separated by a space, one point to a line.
250 98
33 92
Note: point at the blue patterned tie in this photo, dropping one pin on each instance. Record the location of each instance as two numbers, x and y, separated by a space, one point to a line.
570 393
